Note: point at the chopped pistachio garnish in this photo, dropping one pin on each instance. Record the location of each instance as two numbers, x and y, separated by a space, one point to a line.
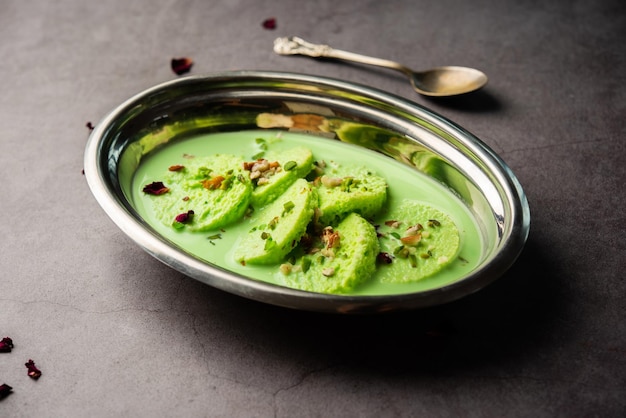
286 268
272 224
331 181
433 222
393 224
287 207
269 243
305 264
329 271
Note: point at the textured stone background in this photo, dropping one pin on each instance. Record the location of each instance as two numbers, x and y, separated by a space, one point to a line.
116 333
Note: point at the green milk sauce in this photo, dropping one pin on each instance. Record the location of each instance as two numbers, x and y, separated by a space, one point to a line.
216 247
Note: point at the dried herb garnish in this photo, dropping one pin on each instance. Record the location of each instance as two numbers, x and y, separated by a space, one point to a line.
270 23
156 188
33 371
181 65
6 345
5 390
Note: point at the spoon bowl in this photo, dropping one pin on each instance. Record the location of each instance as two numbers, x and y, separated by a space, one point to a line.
447 81
438 82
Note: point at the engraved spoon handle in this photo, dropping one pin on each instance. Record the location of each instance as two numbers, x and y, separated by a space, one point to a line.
294 45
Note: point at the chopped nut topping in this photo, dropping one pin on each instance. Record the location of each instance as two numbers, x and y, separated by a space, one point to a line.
393 224
261 170
433 222
330 238
272 224
414 230
286 268
331 181
328 271
411 240
328 252
213 183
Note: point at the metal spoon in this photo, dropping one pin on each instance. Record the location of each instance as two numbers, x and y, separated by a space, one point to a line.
440 81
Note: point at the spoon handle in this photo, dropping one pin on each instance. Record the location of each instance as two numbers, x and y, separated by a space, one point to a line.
297 46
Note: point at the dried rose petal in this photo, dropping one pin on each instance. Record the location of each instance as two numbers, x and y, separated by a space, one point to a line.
181 65
185 217
156 188
384 258
6 345
5 390
33 371
270 23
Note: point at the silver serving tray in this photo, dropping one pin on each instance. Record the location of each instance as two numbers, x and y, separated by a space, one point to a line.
391 125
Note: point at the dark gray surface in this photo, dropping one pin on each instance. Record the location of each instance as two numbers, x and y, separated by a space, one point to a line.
116 333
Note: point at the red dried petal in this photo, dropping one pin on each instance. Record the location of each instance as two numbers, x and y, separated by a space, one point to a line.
185 217
5 390
181 65
6 345
270 23
156 188
384 258
33 371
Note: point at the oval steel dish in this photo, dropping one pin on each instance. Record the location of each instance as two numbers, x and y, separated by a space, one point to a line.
391 125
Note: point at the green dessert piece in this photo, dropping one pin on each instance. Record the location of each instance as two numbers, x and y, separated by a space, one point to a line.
277 229
347 257
212 191
419 241
347 189
272 174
